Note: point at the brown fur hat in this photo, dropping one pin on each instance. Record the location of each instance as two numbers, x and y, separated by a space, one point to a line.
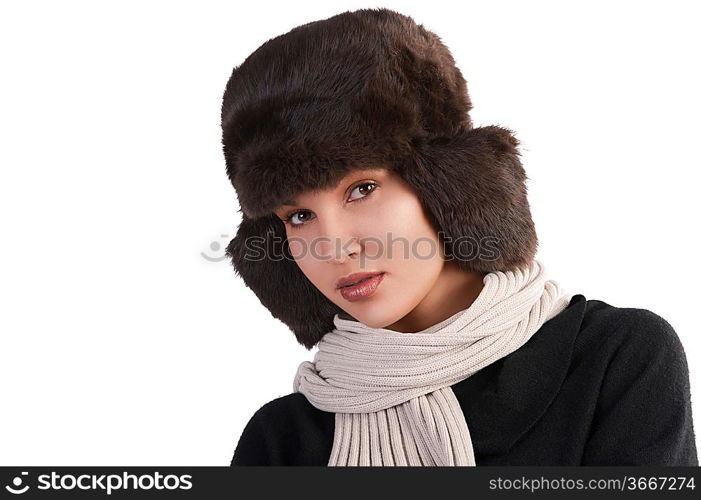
360 89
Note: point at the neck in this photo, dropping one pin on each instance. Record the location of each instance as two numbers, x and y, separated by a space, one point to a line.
455 290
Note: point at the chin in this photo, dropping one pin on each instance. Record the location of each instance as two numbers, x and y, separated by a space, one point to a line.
372 322
377 315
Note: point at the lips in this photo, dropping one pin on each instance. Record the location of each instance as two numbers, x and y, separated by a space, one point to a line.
355 278
362 289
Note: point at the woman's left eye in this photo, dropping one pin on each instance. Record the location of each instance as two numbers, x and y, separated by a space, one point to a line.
364 185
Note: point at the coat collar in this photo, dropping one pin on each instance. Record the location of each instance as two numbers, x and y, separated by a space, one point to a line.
514 392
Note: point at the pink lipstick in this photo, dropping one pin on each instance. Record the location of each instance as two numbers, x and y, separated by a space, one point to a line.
361 287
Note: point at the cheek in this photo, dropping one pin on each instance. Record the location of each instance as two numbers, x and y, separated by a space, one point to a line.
302 254
399 230
314 268
297 247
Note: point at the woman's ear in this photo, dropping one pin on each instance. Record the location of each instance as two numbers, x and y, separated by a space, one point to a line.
260 255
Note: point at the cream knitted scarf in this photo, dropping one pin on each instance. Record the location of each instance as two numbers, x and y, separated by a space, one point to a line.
391 391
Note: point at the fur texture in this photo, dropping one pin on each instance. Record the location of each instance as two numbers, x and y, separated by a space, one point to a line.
360 89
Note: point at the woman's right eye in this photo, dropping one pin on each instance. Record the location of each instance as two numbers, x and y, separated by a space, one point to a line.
290 218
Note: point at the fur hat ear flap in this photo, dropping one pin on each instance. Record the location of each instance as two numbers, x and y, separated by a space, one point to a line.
474 186
260 255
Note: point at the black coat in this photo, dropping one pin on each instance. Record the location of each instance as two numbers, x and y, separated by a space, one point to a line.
595 385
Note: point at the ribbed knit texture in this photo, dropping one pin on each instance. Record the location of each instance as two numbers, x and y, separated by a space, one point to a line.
391 390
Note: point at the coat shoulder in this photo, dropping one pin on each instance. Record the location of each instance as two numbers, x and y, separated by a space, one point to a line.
643 412
284 412
290 406
287 430
632 328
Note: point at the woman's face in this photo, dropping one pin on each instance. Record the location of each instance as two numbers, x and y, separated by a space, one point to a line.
371 222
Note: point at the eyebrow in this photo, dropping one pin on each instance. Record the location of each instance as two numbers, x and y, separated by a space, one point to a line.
294 203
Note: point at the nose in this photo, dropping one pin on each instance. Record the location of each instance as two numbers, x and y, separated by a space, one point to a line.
349 249
337 241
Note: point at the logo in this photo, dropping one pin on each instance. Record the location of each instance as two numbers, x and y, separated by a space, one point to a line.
17 483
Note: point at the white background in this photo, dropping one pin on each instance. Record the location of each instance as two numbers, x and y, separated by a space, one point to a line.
122 345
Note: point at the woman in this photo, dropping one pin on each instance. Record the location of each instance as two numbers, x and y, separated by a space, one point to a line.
384 228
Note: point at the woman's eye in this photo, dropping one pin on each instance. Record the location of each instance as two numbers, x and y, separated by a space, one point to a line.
364 185
296 214
299 217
